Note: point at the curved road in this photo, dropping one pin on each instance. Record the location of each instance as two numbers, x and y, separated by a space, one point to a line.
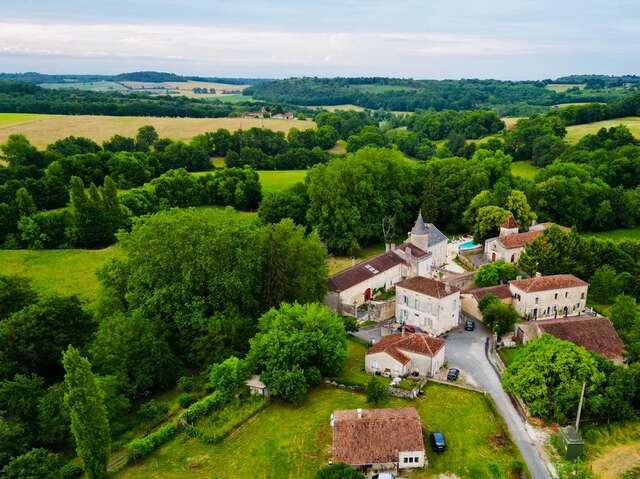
466 350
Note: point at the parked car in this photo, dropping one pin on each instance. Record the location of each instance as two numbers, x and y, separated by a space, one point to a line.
438 443
469 325
384 475
409 329
453 374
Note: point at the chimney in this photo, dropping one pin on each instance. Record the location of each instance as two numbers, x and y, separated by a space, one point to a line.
359 411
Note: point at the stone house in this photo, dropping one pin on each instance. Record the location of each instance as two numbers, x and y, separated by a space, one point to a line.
431 305
549 297
378 440
470 299
402 354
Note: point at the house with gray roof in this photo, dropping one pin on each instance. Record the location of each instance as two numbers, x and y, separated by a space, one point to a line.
425 249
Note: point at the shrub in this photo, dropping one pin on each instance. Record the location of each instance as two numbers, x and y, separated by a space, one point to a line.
152 411
185 400
203 407
139 448
71 470
376 391
188 384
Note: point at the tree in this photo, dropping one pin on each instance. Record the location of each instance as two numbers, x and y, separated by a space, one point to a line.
54 423
605 285
35 464
146 137
519 206
548 374
499 317
19 399
132 348
119 143
624 313
339 471
488 222
89 423
24 203
228 377
498 272
19 152
32 339
292 203
295 347
376 391
15 293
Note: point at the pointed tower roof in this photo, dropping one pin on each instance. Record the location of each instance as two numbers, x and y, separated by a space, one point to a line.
510 222
420 228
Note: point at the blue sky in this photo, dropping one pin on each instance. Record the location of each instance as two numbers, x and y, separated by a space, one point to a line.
506 39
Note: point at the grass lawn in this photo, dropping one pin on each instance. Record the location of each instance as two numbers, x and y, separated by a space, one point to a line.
524 169
617 235
285 441
64 271
353 372
41 130
274 181
340 263
574 133
508 354
612 449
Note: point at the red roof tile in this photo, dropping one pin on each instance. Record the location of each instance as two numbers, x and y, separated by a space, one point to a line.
519 240
510 222
546 283
418 343
359 273
502 291
594 334
377 436
428 286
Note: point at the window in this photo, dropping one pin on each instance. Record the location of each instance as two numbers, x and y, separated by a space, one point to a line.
417 305
555 296
536 300
406 459
582 296
406 300
566 294
416 459
410 460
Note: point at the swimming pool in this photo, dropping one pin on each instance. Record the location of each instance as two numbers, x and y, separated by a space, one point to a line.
467 245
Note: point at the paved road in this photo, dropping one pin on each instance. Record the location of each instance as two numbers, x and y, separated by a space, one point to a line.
466 350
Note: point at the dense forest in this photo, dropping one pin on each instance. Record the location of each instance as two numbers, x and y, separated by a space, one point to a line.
410 95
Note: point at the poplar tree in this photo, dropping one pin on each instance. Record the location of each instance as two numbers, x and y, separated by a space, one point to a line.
89 423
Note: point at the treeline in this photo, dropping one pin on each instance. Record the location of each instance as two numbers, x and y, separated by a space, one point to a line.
411 95
187 294
21 97
580 114
67 195
142 76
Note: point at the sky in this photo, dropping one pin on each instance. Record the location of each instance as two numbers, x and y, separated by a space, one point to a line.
504 39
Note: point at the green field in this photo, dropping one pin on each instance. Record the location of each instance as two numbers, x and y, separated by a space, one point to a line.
574 133
285 441
613 449
100 86
64 271
524 169
274 181
340 263
233 98
9 119
617 235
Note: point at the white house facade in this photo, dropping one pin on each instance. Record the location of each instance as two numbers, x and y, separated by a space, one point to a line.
549 297
400 355
429 304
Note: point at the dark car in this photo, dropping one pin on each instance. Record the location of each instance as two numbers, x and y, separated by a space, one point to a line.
409 329
469 325
438 443
453 374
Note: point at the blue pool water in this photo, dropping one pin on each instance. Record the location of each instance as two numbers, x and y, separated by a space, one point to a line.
468 245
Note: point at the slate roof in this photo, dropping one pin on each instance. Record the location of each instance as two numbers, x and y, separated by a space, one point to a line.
420 228
519 240
501 291
435 235
546 283
418 343
359 273
378 436
594 334
430 287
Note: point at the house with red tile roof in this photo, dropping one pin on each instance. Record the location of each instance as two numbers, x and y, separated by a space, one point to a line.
549 297
470 299
402 354
378 439
425 248
595 334
508 246
431 305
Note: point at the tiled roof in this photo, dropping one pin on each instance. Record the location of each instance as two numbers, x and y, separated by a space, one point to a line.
502 291
428 286
519 240
418 343
546 283
594 334
415 251
359 273
378 436
510 223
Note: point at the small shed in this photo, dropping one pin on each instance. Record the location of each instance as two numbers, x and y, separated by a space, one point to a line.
257 387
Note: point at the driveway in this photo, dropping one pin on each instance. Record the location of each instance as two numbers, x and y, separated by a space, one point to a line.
466 351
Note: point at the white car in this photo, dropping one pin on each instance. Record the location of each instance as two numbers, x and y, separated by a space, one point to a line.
383 475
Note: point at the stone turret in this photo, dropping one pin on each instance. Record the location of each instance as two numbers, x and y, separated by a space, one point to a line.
419 235
509 227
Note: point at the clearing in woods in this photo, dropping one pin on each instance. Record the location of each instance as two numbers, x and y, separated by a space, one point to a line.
42 130
574 133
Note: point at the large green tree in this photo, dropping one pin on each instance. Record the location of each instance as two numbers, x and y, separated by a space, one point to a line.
89 423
